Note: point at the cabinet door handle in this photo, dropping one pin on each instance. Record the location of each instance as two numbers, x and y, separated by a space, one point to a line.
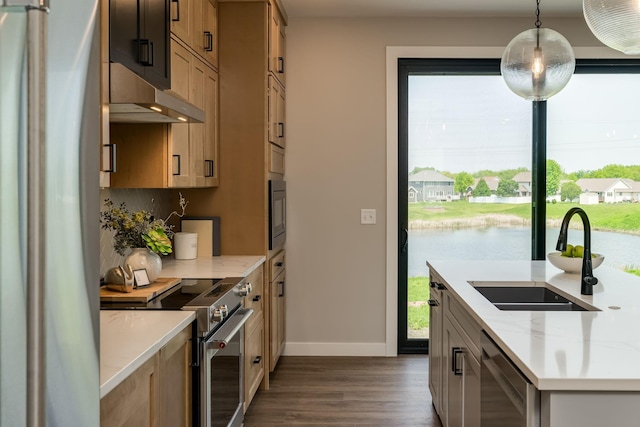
112 157
257 360
176 166
208 167
208 41
433 303
280 130
441 286
279 264
455 352
177 18
280 65
145 52
432 284
281 294
257 298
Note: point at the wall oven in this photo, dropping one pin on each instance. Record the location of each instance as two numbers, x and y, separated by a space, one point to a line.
277 213
507 398
218 344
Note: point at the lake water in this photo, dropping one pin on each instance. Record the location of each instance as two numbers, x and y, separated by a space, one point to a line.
510 244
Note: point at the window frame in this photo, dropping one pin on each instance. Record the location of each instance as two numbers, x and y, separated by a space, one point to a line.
475 66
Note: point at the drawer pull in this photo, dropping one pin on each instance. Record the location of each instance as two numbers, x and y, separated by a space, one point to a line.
455 352
257 298
257 360
433 303
279 264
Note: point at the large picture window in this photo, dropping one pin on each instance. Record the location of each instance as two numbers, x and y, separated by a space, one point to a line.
466 149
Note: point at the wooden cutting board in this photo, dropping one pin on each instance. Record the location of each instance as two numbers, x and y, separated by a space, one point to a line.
162 284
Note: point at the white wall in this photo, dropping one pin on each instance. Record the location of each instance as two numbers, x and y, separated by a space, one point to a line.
337 164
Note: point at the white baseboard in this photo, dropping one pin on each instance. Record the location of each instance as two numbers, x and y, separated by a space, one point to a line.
334 349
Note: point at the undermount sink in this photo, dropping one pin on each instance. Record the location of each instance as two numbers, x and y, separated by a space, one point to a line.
510 296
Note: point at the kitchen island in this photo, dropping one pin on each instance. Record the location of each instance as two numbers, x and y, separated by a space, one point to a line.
586 364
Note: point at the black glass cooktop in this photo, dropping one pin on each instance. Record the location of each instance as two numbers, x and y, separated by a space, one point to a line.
173 299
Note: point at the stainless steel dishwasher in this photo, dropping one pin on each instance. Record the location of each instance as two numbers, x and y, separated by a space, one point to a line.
507 398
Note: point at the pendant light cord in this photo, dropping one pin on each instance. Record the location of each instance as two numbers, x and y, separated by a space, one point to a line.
538 23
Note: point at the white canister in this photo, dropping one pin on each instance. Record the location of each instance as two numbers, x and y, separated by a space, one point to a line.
185 245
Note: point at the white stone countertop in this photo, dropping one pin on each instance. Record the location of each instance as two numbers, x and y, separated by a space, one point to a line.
128 338
578 350
217 267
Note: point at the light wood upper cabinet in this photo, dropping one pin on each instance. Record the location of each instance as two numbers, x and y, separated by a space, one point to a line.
211 166
277 128
180 155
181 19
197 77
180 173
195 23
277 44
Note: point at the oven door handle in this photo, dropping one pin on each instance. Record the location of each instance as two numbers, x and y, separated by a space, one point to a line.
220 339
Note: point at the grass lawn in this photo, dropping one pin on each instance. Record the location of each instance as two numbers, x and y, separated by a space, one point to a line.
620 217
418 294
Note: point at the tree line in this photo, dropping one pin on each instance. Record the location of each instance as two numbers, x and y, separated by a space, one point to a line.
507 187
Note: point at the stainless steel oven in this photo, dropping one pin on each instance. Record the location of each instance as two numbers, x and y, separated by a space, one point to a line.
221 373
220 318
507 397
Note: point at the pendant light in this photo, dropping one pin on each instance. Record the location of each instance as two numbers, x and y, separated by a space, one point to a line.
538 62
616 23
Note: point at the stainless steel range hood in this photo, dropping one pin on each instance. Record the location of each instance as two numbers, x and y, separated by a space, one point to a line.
134 100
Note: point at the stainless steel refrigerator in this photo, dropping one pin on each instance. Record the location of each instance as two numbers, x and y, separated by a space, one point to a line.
49 244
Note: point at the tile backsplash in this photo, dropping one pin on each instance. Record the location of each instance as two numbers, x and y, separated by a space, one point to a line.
160 202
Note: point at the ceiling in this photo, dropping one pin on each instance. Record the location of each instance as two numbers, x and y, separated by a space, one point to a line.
426 8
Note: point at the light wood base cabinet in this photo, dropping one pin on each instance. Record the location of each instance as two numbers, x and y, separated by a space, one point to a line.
254 355
277 289
133 402
158 393
175 379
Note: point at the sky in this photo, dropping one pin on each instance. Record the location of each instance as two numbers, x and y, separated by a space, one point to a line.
469 123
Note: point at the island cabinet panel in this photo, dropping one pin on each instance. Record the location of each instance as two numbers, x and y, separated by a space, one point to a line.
454 371
590 409
436 325
133 402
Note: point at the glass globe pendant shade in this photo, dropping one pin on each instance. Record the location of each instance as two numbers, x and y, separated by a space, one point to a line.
537 64
616 23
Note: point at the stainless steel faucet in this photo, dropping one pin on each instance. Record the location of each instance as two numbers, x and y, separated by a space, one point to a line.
587 280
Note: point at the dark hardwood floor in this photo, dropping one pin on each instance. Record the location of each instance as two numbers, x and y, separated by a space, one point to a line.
346 392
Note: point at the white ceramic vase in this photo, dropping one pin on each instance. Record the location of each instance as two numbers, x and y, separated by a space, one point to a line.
145 258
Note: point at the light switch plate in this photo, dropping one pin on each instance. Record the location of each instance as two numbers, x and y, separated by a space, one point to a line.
367 216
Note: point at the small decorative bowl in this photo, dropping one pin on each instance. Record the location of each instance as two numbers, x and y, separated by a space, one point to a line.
572 265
